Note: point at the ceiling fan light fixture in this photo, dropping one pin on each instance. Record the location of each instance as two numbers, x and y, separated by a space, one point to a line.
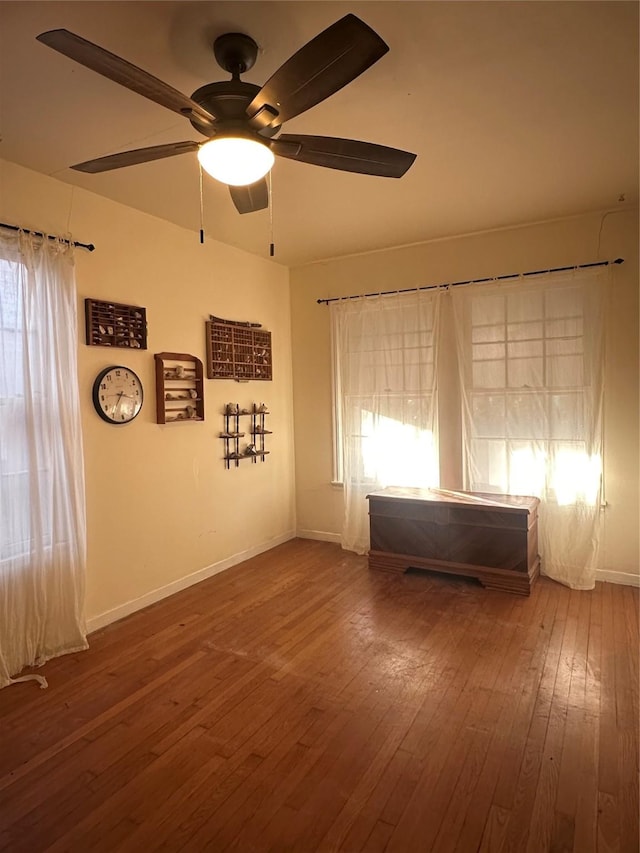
235 160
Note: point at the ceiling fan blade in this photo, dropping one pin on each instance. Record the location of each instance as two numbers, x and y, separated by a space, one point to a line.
324 65
133 158
348 155
120 71
252 197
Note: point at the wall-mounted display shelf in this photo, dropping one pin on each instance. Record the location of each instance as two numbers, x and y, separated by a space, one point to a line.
179 387
239 351
247 424
111 324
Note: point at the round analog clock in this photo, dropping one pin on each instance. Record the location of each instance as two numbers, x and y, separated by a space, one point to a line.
117 395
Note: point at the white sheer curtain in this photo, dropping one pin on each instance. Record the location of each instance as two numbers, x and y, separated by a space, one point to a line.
42 512
385 375
531 371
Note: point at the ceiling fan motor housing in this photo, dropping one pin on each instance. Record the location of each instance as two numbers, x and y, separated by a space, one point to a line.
228 100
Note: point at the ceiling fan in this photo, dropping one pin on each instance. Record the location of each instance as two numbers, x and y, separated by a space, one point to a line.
241 120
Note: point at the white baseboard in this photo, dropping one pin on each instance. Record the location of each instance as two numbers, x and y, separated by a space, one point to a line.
97 622
322 535
625 578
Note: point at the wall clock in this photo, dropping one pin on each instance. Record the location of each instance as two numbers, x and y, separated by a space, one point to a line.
117 394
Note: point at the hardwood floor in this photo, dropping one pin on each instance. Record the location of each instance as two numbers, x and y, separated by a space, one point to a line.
300 702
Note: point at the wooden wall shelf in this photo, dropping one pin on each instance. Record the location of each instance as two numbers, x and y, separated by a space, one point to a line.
179 388
239 351
248 424
113 324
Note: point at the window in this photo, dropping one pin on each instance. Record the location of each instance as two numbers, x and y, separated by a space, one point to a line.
384 381
531 388
14 474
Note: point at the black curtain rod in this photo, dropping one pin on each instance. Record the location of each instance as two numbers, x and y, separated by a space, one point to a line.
89 246
471 281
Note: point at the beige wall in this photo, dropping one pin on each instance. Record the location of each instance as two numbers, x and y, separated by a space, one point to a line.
541 246
160 505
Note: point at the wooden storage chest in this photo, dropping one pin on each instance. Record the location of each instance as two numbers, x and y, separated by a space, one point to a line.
493 538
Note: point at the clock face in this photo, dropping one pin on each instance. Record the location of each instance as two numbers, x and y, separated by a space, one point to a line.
117 395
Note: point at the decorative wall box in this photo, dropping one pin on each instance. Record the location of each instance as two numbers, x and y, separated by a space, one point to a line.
239 351
112 324
179 388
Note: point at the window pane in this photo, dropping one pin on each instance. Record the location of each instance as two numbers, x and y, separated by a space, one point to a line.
488 415
525 373
486 334
524 331
527 417
490 469
489 374
566 416
565 371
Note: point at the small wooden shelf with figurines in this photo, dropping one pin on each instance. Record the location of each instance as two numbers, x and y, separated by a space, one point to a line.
235 429
179 388
112 324
238 350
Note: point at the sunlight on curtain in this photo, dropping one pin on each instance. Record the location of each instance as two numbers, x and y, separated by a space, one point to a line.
531 371
42 513
397 453
385 382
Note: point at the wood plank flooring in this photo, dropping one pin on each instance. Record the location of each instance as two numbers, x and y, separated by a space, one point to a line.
300 702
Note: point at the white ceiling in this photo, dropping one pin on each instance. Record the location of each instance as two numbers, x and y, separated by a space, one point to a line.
518 111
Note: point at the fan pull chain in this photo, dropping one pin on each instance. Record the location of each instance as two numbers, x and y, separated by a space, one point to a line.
201 206
272 248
